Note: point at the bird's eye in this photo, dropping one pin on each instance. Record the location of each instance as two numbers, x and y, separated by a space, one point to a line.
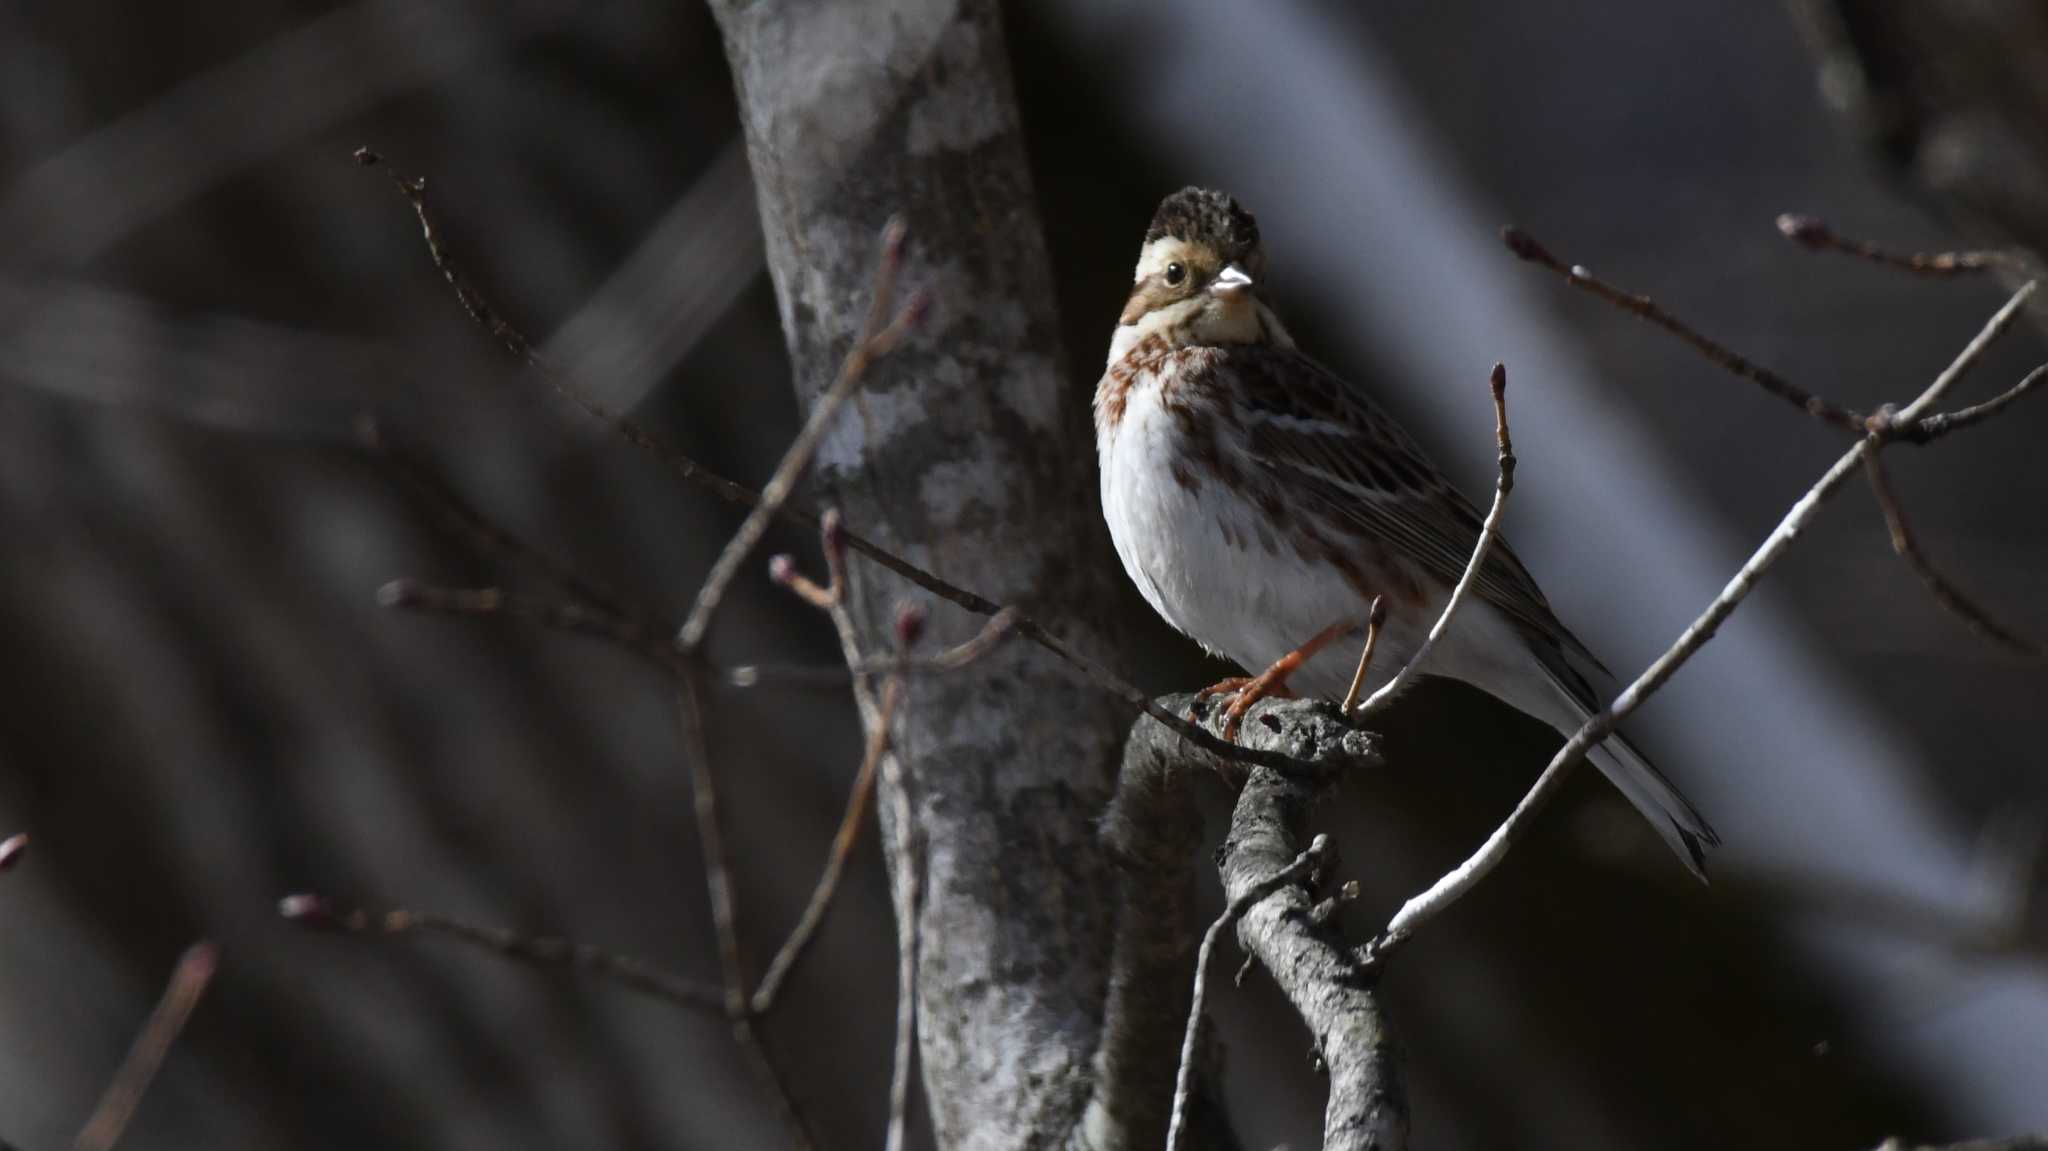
1175 273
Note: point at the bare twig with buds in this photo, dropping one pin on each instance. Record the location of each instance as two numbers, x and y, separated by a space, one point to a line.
1884 426
882 330
1523 245
1489 534
1814 233
878 715
1375 619
318 912
1874 433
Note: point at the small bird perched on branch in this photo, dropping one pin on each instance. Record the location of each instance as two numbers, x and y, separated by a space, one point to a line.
1261 505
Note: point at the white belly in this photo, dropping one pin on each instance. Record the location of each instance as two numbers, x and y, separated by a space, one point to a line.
1214 567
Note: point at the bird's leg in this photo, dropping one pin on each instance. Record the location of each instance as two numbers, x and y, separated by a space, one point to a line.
1271 682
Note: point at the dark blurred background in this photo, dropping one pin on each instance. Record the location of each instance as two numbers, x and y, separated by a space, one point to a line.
205 709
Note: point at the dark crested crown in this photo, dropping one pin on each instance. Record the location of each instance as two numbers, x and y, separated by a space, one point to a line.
1206 216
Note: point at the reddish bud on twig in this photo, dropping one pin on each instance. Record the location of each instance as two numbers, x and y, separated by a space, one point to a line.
782 569
12 850
367 158
910 620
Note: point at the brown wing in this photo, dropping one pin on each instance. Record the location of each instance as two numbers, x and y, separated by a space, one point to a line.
1316 436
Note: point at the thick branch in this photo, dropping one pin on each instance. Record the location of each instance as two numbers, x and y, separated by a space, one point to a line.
1153 832
1315 968
967 462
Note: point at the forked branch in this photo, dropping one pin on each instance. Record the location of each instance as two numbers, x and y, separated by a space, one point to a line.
1455 884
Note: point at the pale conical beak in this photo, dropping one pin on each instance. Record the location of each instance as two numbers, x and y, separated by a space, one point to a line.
1230 283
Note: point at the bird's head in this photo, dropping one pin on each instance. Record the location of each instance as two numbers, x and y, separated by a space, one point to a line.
1198 273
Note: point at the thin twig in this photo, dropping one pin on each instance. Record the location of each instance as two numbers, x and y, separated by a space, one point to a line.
1455 884
547 951
909 882
1304 865
637 636
724 911
850 825
117 1105
514 342
1945 592
879 334
1489 534
877 716
1926 429
13 850
1811 232
1375 618
474 528
1967 359
1525 246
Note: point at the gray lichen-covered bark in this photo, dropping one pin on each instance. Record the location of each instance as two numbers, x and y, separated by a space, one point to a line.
963 455
1318 972
1152 831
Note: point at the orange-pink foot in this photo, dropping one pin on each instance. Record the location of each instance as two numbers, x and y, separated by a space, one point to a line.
1271 683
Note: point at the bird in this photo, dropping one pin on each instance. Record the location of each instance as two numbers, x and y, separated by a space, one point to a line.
1261 505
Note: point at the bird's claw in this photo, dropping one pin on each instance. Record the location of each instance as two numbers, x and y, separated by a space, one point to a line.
1244 692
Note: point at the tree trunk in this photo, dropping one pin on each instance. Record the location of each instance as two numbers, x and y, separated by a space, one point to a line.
968 454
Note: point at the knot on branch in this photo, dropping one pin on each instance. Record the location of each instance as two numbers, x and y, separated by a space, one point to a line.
1313 734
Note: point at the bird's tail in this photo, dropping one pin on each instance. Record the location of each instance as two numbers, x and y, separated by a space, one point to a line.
1660 801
